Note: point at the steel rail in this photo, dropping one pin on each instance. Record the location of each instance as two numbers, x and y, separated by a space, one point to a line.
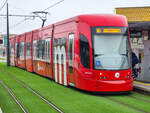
137 98
130 106
14 97
34 92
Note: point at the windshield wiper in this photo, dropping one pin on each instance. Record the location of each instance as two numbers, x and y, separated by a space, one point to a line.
96 55
126 53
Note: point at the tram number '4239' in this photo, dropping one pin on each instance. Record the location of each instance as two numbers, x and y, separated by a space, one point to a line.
60 61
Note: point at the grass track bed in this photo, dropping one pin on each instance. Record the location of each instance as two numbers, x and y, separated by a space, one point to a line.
136 102
69 99
6 102
31 102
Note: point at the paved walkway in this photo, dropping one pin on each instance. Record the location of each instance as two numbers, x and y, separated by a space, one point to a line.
2 60
142 86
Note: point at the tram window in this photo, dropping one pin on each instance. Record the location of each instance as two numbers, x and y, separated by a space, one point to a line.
35 49
43 49
17 50
21 49
40 49
47 48
71 52
71 49
12 49
84 51
28 50
1 41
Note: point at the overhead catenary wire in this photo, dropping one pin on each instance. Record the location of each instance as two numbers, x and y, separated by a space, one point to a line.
3 5
15 25
53 5
20 22
18 8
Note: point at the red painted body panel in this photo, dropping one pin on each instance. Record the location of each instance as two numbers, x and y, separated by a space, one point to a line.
16 41
57 65
35 38
62 30
21 59
104 20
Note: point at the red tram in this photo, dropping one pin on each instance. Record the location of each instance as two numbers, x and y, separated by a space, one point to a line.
89 52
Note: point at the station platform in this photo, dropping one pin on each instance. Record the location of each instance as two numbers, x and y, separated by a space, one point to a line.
141 86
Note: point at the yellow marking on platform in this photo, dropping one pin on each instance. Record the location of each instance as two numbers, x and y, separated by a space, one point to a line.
142 83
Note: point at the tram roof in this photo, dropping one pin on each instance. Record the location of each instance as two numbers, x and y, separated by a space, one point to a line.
98 20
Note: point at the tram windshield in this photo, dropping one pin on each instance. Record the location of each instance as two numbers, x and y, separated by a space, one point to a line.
111 51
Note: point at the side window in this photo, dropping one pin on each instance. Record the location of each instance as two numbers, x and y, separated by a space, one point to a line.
18 54
22 49
28 50
47 49
16 50
1 41
40 49
43 50
84 50
35 49
12 49
71 52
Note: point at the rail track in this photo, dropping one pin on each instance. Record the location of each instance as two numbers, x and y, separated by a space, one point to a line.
60 111
30 89
130 106
14 97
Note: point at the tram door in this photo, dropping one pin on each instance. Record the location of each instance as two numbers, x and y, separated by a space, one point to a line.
71 59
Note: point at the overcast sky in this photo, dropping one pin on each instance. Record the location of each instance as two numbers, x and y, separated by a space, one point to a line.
64 10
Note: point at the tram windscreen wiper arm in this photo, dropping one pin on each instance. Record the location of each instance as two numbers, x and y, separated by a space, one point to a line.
96 55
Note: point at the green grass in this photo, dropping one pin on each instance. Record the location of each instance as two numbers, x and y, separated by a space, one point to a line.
7 104
31 102
136 102
68 99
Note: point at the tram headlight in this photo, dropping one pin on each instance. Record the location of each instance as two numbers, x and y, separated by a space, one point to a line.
100 74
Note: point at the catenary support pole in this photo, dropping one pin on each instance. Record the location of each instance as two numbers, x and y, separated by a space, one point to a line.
8 54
